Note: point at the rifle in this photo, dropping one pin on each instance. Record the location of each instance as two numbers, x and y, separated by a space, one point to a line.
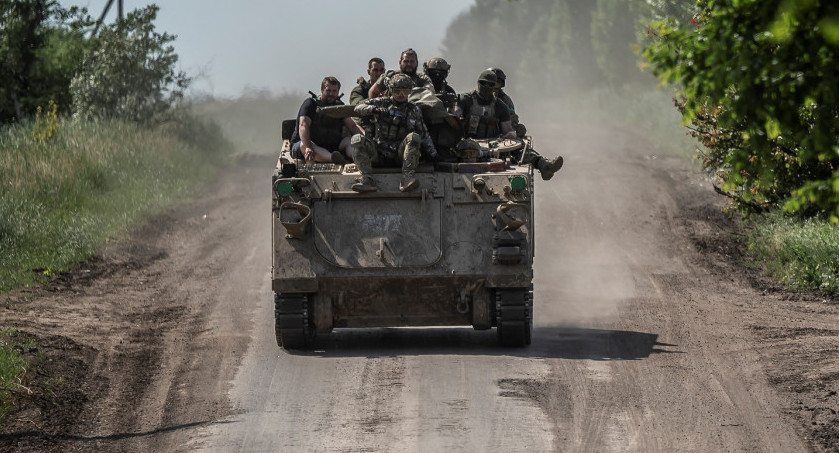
337 111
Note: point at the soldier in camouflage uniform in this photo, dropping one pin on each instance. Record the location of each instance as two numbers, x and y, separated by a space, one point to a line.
485 116
407 65
399 136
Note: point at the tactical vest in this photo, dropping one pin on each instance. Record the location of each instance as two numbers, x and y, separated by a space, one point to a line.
393 128
326 131
480 121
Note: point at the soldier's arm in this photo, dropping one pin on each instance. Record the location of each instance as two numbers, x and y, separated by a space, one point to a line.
425 138
507 129
377 89
370 107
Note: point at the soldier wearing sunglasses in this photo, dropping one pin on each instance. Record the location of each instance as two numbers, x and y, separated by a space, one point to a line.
400 135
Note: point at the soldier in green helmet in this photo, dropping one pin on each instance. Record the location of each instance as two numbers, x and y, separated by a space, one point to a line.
399 137
505 98
486 116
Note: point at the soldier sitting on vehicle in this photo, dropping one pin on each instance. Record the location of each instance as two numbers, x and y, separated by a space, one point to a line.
375 68
485 116
400 134
320 138
437 69
408 63
505 98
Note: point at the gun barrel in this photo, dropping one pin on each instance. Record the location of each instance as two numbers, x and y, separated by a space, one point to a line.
337 111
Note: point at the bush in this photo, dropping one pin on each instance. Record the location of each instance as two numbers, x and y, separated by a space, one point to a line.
130 75
801 254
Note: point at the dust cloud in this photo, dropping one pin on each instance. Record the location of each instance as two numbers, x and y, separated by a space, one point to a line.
590 223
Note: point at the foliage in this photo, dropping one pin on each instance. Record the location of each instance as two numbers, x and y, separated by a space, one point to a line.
12 372
802 254
566 46
61 199
46 125
759 81
41 46
130 74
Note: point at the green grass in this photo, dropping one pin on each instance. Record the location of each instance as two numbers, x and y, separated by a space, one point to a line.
801 254
12 371
61 199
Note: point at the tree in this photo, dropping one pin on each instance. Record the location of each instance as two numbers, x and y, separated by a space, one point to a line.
41 46
131 73
759 81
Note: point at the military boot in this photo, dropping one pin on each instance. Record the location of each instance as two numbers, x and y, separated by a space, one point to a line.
366 184
408 184
547 168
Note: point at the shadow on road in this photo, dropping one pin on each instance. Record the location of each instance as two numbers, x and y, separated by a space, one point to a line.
52 439
548 342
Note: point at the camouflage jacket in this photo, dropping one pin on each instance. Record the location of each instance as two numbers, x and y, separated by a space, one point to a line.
394 121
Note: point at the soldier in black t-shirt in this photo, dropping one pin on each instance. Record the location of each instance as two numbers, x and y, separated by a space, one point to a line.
320 138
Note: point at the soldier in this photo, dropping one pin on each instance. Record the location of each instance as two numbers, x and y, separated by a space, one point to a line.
407 65
399 136
320 138
502 95
485 116
375 68
437 69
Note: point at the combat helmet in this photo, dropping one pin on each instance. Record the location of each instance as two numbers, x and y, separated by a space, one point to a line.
400 81
436 63
502 78
488 75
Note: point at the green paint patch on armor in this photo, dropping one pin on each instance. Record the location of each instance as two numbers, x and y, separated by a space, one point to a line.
284 189
518 183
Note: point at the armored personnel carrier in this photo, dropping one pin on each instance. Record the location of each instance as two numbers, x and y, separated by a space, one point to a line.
458 251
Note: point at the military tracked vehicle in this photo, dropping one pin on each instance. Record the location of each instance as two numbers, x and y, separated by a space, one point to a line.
458 251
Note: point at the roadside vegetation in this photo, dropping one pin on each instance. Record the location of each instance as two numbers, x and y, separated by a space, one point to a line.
754 84
94 139
12 372
63 198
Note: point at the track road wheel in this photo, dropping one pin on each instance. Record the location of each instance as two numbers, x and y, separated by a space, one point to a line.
514 316
293 328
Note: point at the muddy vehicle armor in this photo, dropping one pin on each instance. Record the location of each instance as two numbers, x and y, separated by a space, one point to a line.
458 251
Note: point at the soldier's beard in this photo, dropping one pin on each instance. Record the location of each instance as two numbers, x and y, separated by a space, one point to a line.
409 71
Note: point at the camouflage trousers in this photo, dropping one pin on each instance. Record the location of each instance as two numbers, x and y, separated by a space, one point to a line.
368 154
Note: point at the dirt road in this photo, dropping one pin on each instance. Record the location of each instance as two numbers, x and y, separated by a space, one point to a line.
650 336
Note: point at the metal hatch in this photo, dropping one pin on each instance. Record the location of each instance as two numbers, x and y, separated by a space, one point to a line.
378 233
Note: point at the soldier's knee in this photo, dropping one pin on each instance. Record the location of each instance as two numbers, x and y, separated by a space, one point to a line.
414 138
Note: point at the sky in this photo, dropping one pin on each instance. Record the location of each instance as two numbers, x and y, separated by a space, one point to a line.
291 45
